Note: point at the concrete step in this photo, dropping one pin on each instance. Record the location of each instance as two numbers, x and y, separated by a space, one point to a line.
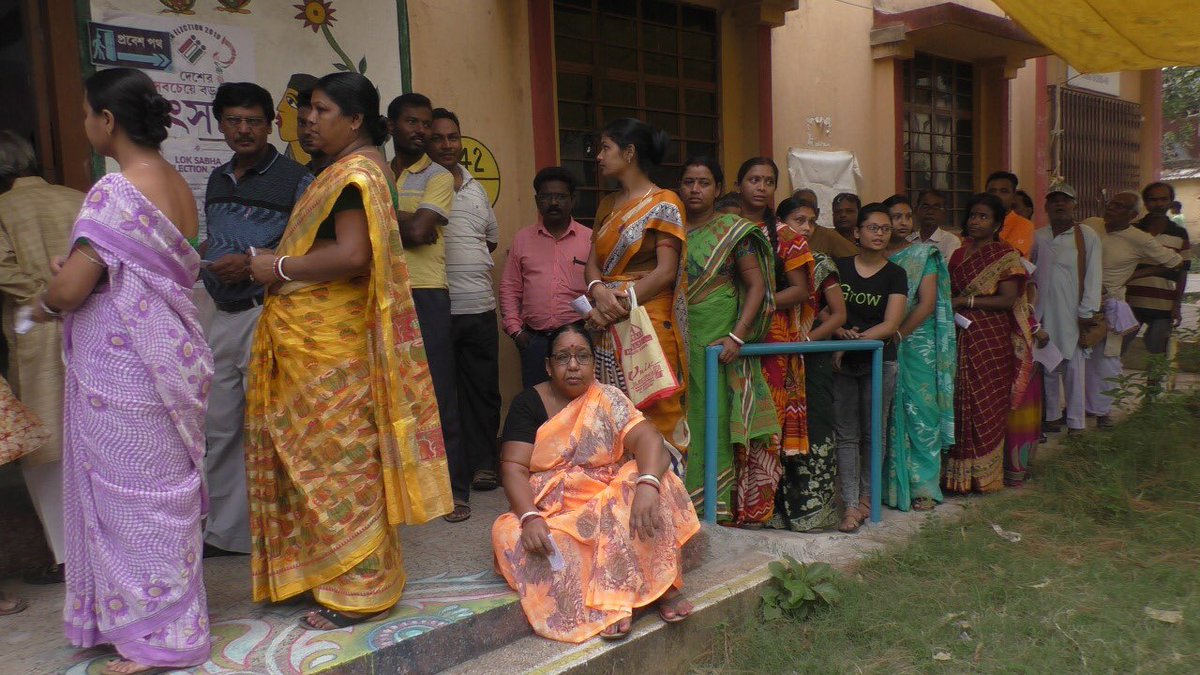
724 591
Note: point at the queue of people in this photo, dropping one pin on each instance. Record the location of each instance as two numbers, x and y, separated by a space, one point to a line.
347 381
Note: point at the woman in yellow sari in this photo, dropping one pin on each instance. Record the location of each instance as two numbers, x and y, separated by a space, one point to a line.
638 243
598 522
342 439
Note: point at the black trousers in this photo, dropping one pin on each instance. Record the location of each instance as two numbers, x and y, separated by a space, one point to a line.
433 313
477 364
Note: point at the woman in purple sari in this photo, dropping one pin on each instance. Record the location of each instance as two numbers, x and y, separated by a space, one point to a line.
138 372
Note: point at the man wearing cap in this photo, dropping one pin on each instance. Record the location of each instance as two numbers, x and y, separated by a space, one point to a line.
1068 296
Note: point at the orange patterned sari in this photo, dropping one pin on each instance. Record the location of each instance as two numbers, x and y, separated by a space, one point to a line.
618 238
583 485
342 435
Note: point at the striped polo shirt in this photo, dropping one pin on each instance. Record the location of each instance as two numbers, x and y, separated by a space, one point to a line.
1154 297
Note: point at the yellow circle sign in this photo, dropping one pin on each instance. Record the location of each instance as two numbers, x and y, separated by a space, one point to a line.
482 164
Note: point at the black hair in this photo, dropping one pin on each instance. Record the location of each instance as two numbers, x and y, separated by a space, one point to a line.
304 98
874 207
992 202
573 327
781 280
790 204
1003 175
897 199
843 196
1158 184
141 112
935 192
554 173
356 95
649 143
797 191
443 114
243 95
1024 197
409 100
709 163
727 200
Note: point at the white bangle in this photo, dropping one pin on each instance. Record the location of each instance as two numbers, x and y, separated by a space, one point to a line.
649 479
46 308
592 283
527 516
736 339
279 267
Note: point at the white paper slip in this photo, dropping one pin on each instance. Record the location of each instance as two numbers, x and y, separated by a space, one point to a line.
23 320
556 559
961 321
1049 356
582 305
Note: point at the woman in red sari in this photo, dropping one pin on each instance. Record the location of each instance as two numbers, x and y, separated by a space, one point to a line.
995 351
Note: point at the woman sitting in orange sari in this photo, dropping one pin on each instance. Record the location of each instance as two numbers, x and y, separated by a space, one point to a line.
597 521
638 243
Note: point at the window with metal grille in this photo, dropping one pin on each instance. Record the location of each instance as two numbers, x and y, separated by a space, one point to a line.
654 60
1099 146
939 129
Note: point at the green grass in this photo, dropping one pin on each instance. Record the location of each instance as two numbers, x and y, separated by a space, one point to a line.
1110 526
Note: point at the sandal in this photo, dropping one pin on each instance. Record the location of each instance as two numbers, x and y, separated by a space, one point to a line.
923 504
672 604
485 480
461 512
9 606
336 619
618 634
145 670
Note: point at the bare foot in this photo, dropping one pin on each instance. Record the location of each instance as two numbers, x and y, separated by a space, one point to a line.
673 607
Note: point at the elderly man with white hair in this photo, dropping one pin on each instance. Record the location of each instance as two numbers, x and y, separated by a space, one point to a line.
35 225
1123 248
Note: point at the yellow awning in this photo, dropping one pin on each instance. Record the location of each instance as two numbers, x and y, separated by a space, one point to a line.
1097 36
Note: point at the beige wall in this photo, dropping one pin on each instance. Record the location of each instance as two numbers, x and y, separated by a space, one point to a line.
472 56
822 67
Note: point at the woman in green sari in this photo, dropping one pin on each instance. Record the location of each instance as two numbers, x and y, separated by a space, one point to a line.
730 302
922 415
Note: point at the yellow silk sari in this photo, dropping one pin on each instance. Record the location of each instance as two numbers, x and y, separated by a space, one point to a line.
343 441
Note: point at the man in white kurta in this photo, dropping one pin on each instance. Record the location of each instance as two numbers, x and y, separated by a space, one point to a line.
1061 303
1124 247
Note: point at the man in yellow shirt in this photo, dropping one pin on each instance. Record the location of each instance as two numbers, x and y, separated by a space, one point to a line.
1017 230
425 198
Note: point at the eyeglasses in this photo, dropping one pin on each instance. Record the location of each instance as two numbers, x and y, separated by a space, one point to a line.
877 229
252 122
562 359
548 197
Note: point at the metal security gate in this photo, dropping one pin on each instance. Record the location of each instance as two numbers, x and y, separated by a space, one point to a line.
1099 146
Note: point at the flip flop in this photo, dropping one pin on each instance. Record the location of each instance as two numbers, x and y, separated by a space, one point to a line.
673 607
619 635
337 619
18 605
461 512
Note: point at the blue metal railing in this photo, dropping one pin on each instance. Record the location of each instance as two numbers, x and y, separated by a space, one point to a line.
710 409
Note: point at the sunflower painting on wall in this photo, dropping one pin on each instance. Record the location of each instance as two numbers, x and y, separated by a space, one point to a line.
318 15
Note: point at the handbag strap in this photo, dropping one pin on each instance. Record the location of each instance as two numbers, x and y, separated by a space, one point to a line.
1081 256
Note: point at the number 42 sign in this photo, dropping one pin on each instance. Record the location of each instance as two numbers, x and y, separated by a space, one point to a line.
480 161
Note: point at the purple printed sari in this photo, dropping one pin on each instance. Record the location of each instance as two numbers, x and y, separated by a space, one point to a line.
138 372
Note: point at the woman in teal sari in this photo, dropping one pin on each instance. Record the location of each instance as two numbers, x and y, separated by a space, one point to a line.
728 265
922 415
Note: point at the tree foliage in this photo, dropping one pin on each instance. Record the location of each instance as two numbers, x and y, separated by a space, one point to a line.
1181 109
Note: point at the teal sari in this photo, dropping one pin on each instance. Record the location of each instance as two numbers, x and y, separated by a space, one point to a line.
745 413
922 415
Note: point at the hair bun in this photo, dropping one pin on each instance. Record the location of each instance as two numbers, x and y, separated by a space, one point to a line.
377 128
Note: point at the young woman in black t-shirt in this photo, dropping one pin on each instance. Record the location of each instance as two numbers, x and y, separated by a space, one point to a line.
875 290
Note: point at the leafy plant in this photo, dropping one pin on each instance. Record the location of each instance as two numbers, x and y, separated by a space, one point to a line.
797 590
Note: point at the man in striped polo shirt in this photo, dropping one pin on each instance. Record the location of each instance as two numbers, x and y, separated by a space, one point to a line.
1155 293
471 236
